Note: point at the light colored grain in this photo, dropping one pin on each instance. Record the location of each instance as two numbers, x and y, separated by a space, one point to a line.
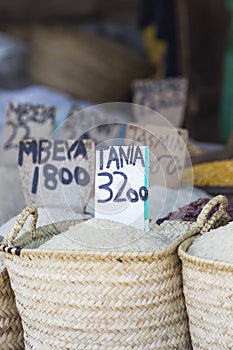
215 245
98 234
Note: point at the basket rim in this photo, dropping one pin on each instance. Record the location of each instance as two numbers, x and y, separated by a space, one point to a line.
100 254
92 254
201 262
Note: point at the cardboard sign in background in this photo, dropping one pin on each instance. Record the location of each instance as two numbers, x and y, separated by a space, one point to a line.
91 123
167 97
167 151
24 121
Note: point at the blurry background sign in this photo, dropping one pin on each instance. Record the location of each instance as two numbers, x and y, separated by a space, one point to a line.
24 121
36 95
94 123
167 151
166 96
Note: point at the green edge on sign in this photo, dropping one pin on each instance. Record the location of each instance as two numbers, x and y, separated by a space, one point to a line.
146 182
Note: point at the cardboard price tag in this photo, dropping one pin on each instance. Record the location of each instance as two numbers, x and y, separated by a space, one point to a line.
121 185
166 96
24 121
167 151
57 173
90 123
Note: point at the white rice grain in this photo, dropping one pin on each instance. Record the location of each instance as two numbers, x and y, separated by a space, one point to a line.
99 234
215 245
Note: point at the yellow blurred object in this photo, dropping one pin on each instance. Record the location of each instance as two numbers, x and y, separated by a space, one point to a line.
156 49
218 173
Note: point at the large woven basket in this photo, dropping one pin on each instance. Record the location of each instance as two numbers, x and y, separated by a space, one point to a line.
11 331
98 300
87 66
208 290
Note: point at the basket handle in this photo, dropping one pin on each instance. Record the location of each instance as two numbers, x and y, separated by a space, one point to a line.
19 223
206 224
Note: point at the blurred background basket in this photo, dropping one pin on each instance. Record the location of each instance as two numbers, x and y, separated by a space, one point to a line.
83 64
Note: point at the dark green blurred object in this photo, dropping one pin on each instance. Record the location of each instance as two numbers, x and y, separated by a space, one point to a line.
226 118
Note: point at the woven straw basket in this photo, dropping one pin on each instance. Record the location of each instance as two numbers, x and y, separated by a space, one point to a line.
98 300
85 65
208 290
11 331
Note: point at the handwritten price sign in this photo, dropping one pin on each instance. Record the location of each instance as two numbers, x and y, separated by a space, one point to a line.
167 151
121 188
90 123
57 173
24 121
166 96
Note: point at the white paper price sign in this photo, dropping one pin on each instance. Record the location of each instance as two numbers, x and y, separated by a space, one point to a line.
24 121
166 96
57 173
121 187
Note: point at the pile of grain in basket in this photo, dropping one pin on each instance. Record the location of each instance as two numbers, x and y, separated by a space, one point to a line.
216 245
98 234
11 333
128 296
207 266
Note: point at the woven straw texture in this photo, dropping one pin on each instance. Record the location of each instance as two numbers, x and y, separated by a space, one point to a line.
208 290
11 331
97 300
84 65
